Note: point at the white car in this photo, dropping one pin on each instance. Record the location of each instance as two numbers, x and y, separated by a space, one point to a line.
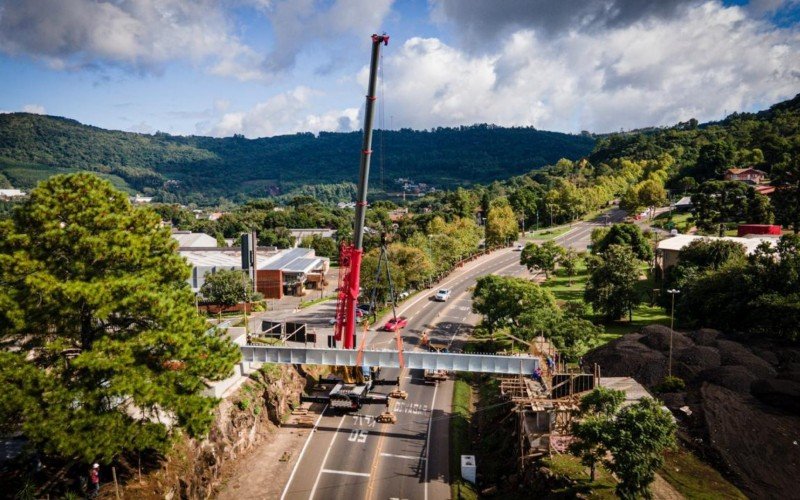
442 295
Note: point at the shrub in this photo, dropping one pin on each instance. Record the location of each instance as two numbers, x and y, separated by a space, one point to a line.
671 384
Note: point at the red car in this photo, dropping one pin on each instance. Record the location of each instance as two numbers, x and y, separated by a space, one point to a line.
395 324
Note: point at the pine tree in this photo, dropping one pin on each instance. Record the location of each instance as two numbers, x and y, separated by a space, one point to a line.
106 352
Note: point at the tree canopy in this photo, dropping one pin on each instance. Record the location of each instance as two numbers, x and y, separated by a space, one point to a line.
544 256
108 345
611 288
625 234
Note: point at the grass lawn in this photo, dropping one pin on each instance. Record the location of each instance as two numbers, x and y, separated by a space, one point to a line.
548 234
309 303
695 479
643 315
571 467
459 439
680 221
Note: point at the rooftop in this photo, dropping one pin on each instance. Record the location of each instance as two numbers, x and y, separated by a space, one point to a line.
677 242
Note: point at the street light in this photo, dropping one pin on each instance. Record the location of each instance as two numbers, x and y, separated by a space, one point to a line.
673 292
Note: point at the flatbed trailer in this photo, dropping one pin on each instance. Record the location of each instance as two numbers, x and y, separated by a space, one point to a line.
344 396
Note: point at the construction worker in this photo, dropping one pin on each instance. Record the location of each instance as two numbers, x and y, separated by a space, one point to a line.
94 479
424 341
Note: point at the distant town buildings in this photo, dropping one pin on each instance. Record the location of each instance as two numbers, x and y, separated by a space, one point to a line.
748 175
408 186
7 194
139 199
275 272
299 234
188 239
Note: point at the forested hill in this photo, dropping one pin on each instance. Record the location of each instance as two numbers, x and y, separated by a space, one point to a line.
178 168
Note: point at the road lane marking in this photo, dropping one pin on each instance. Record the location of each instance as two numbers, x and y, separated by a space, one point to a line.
472 265
407 457
428 439
344 473
302 452
325 458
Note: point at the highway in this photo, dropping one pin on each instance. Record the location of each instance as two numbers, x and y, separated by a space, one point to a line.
352 456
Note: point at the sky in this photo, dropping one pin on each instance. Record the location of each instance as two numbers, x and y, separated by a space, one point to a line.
272 67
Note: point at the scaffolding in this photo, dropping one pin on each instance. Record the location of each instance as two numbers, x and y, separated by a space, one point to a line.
545 410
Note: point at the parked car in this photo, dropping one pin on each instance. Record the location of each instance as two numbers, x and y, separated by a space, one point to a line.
395 324
442 295
518 247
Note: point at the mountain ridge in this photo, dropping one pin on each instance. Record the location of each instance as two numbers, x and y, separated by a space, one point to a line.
200 168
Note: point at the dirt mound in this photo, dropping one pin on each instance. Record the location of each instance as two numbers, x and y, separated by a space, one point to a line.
629 358
691 361
657 337
735 378
766 354
778 392
755 441
789 355
734 353
673 399
705 336
790 371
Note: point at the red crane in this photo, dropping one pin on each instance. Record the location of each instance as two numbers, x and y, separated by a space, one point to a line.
350 254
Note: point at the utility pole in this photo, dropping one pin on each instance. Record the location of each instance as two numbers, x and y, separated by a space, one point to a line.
673 292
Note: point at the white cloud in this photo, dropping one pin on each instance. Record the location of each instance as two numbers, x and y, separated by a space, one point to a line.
656 71
299 24
285 113
37 109
140 35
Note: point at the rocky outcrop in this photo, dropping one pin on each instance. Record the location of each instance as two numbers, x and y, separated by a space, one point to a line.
744 399
195 468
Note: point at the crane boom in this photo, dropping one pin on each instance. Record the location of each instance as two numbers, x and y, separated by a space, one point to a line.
350 255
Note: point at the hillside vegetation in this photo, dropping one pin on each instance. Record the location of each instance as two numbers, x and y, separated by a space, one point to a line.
176 168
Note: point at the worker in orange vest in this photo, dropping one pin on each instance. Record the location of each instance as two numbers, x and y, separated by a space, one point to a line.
424 341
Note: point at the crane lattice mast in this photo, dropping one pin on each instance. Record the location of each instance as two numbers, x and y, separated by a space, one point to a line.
350 254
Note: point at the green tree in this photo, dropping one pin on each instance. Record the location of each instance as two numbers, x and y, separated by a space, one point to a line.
569 262
639 436
501 223
573 335
611 288
652 195
227 287
593 428
713 159
717 203
323 247
628 235
504 301
787 194
109 341
543 257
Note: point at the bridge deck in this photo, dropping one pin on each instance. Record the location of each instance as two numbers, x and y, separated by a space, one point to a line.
483 363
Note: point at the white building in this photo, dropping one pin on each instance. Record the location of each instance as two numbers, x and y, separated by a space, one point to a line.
188 239
11 193
668 250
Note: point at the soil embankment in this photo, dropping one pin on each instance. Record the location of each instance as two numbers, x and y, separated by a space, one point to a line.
199 468
741 404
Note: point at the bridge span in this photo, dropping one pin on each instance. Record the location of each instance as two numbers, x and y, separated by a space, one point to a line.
477 363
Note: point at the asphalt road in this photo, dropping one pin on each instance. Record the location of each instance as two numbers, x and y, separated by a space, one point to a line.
354 457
